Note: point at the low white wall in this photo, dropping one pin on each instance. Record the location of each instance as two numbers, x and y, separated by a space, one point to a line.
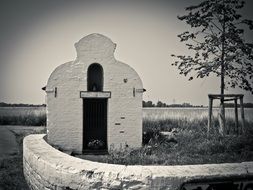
48 168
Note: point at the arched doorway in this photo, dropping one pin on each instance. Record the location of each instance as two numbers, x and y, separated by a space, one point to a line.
95 112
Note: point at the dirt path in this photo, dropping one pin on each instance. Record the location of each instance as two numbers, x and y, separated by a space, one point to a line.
8 144
11 171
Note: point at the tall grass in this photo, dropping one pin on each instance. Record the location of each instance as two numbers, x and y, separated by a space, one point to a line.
31 116
189 144
190 113
29 119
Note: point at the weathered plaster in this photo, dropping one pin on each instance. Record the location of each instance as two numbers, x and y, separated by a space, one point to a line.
65 112
48 168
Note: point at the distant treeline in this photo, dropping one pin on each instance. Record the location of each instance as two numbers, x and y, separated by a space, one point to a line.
161 104
2 104
144 104
187 105
246 105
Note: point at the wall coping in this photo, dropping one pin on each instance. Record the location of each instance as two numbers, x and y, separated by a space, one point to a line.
57 165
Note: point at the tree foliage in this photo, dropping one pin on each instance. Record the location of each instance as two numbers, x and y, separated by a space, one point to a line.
217 40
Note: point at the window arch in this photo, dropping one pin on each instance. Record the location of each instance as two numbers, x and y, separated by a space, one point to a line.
95 77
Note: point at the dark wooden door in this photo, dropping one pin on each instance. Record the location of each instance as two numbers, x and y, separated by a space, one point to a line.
94 124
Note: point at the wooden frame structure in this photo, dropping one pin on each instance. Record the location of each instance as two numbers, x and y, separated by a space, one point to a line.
227 97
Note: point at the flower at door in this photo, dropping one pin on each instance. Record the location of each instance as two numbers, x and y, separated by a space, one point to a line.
95 144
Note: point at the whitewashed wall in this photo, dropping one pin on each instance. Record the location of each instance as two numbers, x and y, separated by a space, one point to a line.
50 169
65 111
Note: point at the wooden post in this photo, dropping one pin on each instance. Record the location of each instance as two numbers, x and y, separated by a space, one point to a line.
242 114
210 115
236 117
223 128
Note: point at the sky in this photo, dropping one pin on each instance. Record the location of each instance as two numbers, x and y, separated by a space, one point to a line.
37 36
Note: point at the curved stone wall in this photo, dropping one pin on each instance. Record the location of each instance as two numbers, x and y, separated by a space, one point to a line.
47 168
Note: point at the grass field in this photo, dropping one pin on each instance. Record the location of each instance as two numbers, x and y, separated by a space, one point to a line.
29 116
36 116
190 113
189 144
22 111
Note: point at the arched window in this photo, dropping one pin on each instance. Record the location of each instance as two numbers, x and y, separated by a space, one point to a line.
95 77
